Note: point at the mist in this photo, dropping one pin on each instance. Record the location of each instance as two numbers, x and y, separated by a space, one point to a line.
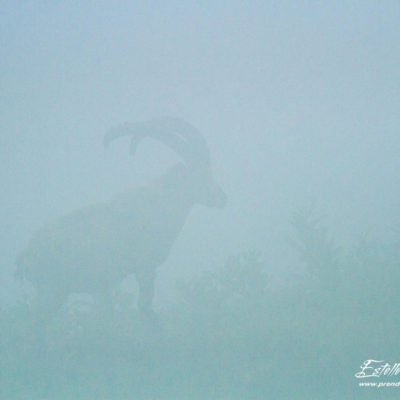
298 105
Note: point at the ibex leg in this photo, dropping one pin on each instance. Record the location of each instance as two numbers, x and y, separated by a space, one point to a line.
145 281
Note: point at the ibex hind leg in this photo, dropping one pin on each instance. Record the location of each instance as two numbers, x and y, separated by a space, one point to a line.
146 283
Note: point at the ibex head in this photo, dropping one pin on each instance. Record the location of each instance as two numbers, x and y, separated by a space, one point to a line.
196 172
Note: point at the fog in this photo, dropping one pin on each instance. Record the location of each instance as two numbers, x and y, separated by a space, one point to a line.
299 105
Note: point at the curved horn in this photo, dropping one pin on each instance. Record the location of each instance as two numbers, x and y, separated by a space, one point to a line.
179 135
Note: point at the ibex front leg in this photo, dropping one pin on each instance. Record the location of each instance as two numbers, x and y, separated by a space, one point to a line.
146 280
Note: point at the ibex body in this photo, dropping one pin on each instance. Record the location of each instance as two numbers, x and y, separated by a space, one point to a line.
95 248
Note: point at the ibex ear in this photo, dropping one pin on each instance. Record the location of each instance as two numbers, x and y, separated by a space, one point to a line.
134 144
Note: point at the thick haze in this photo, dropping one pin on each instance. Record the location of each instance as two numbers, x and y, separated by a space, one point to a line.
299 103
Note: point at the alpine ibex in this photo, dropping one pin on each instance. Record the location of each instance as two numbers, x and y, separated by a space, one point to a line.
93 249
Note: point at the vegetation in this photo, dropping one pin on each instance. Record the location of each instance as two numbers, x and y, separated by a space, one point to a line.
232 333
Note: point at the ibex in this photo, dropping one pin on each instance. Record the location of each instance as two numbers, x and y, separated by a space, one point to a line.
93 249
